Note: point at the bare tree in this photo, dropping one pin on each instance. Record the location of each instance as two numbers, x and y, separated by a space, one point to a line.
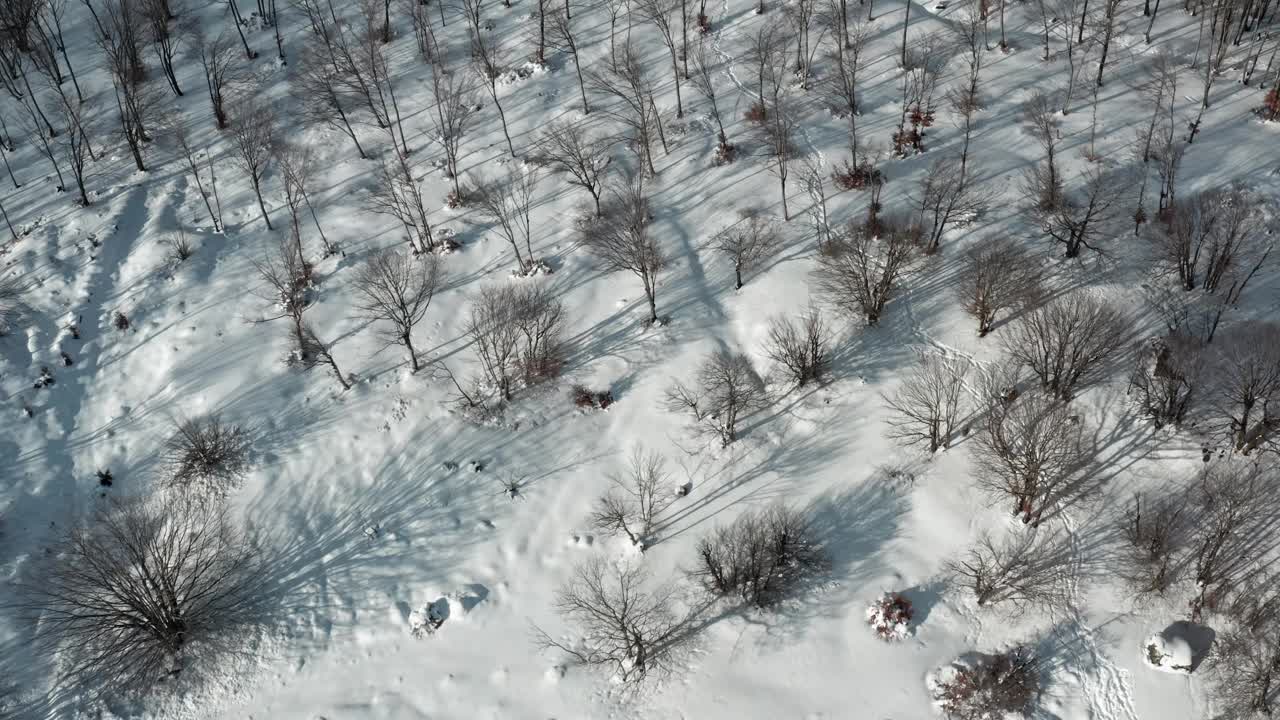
13 304
319 94
287 279
312 351
1245 662
1026 569
746 243
1041 121
1156 531
1030 451
396 194
584 157
703 79
860 270
995 277
487 59
622 624
396 288
946 197
253 138
981 686
1108 23
30 124
1078 220
842 81
1209 235
455 103
767 55
663 14
151 589
206 456
182 140
1066 342
762 557
800 15
1170 371
119 36
507 203
800 347
75 143
495 335
1249 362
1234 505
928 404
778 131
297 168
222 72
725 390
632 89
165 42
562 37
622 241
636 499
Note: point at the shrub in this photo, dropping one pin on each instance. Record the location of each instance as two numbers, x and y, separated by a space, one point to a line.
890 617
992 687
207 455
585 397
755 113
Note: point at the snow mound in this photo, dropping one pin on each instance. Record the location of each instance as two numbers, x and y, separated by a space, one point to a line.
1178 648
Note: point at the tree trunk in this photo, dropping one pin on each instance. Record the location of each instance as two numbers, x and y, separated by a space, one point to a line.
257 190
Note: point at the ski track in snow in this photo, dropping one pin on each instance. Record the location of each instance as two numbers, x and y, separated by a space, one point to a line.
1106 686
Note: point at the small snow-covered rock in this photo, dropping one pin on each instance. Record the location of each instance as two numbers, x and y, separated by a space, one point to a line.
1171 655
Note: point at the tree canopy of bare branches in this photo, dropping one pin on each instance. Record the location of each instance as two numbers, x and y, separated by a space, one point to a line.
1249 365
623 241
860 270
746 243
1066 342
1025 569
396 288
996 277
636 500
581 155
622 623
726 389
801 347
254 139
928 404
206 456
761 558
1031 451
507 203
150 589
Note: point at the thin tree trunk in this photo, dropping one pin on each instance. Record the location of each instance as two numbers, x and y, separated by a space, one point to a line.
16 184
906 22
238 21
213 183
257 190
12 232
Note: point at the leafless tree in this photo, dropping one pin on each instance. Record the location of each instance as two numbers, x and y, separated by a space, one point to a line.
632 90
1031 451
495 335
636 500
860 270
725 390
997 276
319 94
396 288
800 347
922 66
30 124
150 589
75 142
965 99
488 59
1066 342
982 686
238 21
1248 360
703 79
1025 569
1245 662
946 197
1107 23
297 169
119 36
1040 118
622 624
767 56
455 105
1081 219
622 241
928 404
842 80
663 15
253 138
165 42
1170 372
762 557
778 130
396 194
1234 506
1156 530
181 137
507 203
1070 22
584 157
1209 235
206 456
748 242
516 331
222 72
562 37
287 279
800 15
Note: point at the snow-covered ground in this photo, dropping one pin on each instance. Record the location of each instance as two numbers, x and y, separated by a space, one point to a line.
390 454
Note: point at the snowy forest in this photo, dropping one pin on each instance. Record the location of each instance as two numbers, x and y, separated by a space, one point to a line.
654 359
